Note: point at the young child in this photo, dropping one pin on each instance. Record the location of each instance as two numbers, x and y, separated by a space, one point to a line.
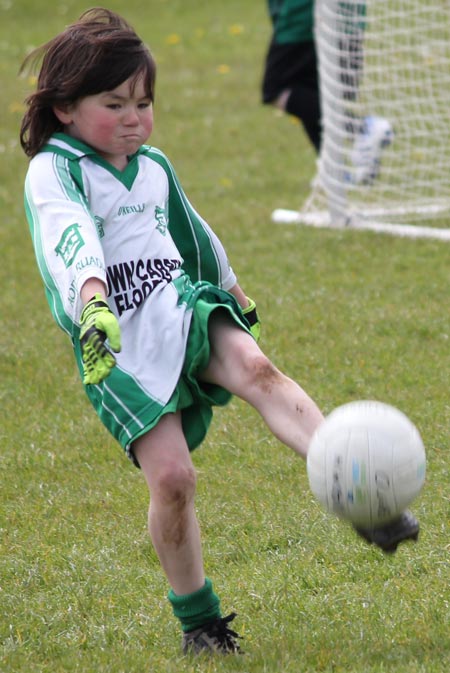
130 268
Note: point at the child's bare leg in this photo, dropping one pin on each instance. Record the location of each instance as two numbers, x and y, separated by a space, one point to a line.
238 364
166 463
167 466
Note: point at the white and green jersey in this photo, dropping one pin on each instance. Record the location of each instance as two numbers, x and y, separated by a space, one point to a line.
137 232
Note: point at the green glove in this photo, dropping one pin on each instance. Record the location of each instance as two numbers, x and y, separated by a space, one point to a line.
252 318
98 323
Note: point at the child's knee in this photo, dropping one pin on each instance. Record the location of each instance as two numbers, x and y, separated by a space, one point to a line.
175 484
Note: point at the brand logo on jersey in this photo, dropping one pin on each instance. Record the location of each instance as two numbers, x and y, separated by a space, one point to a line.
161 218
130 210
69 244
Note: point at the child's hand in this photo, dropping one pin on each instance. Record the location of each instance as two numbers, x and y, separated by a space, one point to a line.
252 318
98 323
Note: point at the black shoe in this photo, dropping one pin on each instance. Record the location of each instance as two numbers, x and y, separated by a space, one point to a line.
389 536
214 636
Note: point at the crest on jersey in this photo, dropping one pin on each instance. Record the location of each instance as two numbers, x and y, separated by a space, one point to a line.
69 244
99 221
161 216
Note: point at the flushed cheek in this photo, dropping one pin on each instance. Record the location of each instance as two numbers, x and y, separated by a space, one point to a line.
104 133
99 124
148 131
147 125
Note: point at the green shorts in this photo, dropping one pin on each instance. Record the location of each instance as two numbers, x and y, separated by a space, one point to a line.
136 414
192 397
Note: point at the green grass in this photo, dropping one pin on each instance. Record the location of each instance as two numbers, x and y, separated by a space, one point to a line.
350 315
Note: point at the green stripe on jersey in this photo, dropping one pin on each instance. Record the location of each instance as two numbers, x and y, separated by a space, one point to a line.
194 242
69 178
56 307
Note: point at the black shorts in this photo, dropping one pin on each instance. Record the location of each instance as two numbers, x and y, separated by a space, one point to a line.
288 65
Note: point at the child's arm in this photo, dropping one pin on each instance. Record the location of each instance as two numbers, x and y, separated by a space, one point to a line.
240 295
91 287
65 237
249 309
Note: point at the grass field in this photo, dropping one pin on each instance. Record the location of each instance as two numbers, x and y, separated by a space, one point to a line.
350 315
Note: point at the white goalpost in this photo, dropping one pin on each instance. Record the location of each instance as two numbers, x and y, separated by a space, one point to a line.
384 70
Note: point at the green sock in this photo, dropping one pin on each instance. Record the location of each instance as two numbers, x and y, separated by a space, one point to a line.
194 610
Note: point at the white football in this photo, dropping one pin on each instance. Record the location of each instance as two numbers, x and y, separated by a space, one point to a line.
366 462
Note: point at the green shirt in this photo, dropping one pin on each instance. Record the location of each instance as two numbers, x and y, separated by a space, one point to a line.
292 20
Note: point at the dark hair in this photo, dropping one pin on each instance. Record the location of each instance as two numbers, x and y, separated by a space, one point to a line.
96 53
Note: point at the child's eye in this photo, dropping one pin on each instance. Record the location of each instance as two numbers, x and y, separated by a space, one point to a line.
113 106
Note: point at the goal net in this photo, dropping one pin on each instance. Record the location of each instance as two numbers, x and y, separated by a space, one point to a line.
384 70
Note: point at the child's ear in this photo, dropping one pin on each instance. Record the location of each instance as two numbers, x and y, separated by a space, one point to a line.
63 114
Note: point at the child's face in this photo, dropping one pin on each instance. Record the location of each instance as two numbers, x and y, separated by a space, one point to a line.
115 123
